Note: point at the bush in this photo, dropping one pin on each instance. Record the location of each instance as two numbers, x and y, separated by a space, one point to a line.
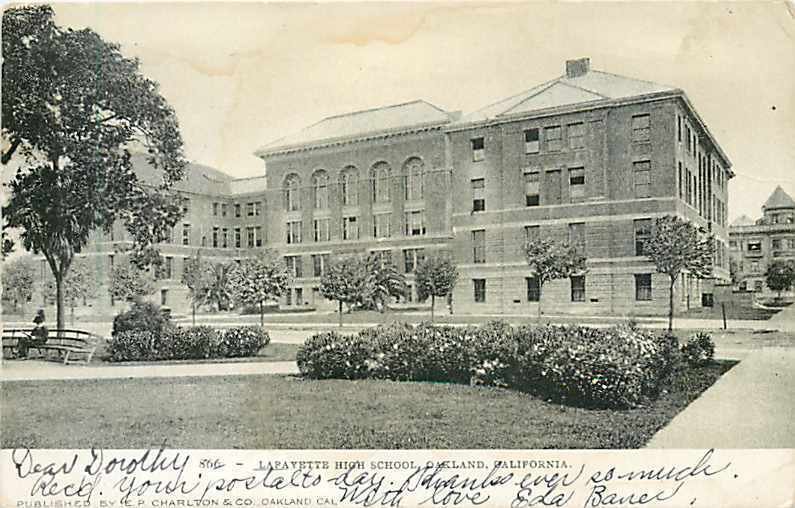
142 316
616 367
699 350
174 343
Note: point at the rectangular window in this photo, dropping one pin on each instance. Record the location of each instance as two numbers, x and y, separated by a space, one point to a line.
319 264
643 287
532 181
238 238
576 183
350 228
215 236
578 288
299 296
237 209
642 234
186 234
321 230
641 128
576 135
577 236
250 209
169 267
679 128
164 297
533 289
478 149
250 236
224 238
223 209
479 246
381 225
776 243
294 266
294 232
412 258
258 233
215 209
681 183
552 138
478 195
257 208
185 206
755 246
532 233
415 223
642 174
479 290
531 141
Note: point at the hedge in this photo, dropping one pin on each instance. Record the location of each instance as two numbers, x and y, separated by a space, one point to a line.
174 343
611 367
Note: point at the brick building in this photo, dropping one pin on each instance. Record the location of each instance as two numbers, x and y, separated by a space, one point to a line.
589 157
756 244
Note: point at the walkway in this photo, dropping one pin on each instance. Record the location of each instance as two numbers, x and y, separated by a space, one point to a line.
34 370
751 406
784 320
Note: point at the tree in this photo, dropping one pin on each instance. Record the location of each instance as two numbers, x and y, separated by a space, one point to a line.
341 281
676 245
259 280
128 282
435 277
18 281
380 280
780 276
551 260
79 284
73 106
198 278
218 291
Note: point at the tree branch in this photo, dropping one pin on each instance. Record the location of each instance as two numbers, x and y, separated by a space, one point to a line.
13 148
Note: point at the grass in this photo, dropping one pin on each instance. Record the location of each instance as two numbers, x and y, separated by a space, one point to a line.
267 412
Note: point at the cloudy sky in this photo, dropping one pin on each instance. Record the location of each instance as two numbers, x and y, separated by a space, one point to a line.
241 75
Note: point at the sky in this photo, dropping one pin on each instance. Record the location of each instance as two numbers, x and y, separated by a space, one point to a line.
240 75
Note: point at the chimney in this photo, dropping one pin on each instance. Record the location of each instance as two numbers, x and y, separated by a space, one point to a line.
579 67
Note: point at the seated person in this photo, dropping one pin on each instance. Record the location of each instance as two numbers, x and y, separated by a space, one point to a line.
37 337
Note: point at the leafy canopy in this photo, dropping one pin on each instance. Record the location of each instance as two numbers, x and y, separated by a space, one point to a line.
780 275
79 284
435 276
552 260
19 279
260 279
341 280
676 245
128 282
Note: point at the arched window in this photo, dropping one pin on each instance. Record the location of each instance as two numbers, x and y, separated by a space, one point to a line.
292 192
381 175
412 174
320 188
349 186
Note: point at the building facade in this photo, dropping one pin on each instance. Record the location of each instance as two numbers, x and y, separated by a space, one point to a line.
589 157
754 245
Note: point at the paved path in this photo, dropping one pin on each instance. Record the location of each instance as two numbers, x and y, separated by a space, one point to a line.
33 370
751 406
784 320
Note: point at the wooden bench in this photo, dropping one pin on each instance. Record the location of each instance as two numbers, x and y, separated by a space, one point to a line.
72 346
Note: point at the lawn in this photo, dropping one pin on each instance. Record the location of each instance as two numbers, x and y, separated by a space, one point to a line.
289 412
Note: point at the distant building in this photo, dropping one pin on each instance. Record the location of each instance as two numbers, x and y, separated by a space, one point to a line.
589 157
756 244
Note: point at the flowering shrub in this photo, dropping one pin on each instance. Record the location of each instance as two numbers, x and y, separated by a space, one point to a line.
141 316
615 367
175 343
699 350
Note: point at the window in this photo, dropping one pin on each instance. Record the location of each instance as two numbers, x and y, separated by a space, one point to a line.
754 246
294 231
577 236
164 297
299 296
642 173
215 209
215 236
381 175
169 267
576 135
531 141
776 243
413 175
478 149
578 288
681 183
292 196
319 264
350 229
533 289
250 236
642 234
479 246
223 209
294 266
185 205
576 183
258 236
322 230
688 138
250 209
257 208
774 218
643 287
532 233
237 210
320 189
415 223
224 238
384 256
479 290
758 286
679 128
349 185
478 195
412 258
381 226
640 128
253 209
532 180
238 238
552 138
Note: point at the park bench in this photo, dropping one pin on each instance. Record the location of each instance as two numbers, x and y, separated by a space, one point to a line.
72 346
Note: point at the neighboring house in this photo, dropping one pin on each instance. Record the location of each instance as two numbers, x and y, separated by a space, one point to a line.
589 157
756 244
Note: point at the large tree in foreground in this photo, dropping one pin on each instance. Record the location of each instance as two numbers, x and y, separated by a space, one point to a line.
676 246
259 280
435 277
551 260
72 107
780 276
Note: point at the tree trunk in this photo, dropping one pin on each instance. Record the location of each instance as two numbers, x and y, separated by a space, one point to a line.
539 301
340 312
671 305
59 303
433 303
193 305
261 315
72 313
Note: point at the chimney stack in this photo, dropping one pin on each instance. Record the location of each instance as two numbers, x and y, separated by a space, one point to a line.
579 67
